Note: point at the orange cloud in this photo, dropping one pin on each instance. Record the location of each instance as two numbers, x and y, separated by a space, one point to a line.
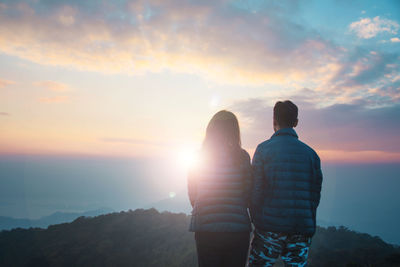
349 157
52 85
395 40
208 38
358 156
4 83
181 36
54 99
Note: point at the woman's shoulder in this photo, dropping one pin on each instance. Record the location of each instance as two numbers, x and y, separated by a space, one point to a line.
244 155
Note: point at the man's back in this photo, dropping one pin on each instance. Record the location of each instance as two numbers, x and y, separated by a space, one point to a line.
287 185
286 193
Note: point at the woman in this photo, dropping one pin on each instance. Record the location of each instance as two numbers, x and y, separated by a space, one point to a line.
219 193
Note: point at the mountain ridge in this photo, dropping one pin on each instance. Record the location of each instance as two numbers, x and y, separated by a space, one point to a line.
8 223
150 238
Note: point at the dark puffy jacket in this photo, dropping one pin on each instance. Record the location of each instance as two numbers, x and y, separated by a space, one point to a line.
219 194
287 185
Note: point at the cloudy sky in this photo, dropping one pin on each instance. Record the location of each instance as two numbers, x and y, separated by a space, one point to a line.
142 78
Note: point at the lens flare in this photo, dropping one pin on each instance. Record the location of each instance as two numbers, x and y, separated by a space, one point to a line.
187 158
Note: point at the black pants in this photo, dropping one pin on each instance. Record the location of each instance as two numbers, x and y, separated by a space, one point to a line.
222 249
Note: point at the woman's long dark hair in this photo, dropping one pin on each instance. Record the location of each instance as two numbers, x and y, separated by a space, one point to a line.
223 134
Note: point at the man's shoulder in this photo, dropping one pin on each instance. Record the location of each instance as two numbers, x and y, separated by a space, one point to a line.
309 149
264 144
272 144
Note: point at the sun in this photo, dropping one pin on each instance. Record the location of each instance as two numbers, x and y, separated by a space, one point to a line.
188 158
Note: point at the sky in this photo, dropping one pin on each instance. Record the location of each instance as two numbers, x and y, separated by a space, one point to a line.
143 78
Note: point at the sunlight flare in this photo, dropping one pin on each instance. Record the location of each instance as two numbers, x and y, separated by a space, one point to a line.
188 157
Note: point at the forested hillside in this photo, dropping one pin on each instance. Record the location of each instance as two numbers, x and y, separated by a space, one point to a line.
149 238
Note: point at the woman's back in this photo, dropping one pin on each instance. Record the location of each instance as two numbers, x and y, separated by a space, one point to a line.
219 193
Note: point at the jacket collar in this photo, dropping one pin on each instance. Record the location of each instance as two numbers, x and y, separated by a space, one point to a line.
286 131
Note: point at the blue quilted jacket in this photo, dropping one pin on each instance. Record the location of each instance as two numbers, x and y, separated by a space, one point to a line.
219 193
287 185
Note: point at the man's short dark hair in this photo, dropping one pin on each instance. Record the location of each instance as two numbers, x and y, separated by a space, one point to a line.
285 113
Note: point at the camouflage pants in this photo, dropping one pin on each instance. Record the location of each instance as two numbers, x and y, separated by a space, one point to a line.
266 247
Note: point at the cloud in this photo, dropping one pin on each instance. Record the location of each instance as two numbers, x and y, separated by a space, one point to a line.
55 87
4 83
367 68
367 28
52 85
391 91
361 74
4 114
341 127
395 40
242 43
216 39
54 99
133 141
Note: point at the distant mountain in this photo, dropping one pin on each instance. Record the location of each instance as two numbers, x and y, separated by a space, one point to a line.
150 238
176 203
325 223
8 223
180 203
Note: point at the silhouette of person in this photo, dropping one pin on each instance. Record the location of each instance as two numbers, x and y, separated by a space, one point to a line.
219 189
285 193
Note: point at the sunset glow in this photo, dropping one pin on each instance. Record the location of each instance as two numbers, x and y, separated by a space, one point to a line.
187 158
105 105
141 78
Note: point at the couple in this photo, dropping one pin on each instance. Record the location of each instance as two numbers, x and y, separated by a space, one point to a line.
281 189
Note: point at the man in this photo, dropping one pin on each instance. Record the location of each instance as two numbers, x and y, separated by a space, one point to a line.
286 193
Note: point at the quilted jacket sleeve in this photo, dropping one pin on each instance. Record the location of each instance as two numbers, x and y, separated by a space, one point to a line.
258 179
318 176
248 178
